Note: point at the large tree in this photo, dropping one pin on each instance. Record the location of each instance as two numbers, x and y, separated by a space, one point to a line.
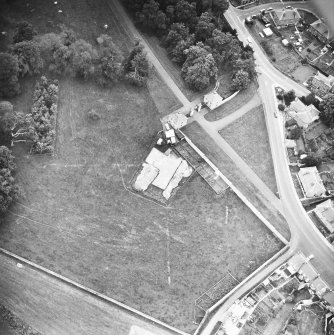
24 32
219 43
241 80
219 7
111 59
9 72
178 32
29 57
9 190
186 12
199 69
204 27
327 110
150 17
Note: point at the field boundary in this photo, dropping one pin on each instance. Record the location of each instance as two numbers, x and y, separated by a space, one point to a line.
91 292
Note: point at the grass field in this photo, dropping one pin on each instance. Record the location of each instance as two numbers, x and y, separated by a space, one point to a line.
195 132
249 138
232 105
78 216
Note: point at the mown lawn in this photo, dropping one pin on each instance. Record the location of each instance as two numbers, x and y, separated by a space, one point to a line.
249 138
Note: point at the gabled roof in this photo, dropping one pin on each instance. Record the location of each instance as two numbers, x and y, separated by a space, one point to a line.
303 114
311 182
285 16
325 212
322 28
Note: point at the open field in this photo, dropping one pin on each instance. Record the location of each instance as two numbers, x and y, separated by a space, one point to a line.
232 105
249 138
226 166
79 201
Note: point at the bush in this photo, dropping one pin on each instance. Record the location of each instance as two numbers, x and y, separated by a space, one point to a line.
281 107
93 114
289 97
295 133
9 72
310 160
44 113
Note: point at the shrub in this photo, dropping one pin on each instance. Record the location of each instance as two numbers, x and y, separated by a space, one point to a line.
281 107
311 160
93 114
9 72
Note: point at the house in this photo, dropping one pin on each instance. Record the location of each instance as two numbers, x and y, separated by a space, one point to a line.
320 84
320 30
267 32
311 182
213 100
285 17
325 213
303 114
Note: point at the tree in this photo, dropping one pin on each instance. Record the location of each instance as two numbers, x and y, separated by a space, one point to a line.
247 65
9 190
137 66
111 59
241 80
186 12
310 160
219 43
204 27
289 97
295 133
29 57
309 99
327 110
178 53
63 60
177 33
219 7
24 32
150 17
199 69
281 107
83 59
9 72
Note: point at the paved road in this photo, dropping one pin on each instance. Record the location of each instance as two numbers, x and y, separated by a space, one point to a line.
305 236
52 306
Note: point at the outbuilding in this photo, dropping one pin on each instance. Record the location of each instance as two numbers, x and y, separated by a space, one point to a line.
267 32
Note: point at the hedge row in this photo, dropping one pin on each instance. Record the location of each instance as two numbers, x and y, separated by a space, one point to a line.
44 114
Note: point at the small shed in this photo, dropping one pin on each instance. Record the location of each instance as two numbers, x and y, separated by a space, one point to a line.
285 42
267 32
213 100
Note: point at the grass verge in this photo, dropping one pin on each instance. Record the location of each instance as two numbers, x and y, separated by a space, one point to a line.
249 138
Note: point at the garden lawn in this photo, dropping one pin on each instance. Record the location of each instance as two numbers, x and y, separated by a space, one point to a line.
249 138
80 219
228 168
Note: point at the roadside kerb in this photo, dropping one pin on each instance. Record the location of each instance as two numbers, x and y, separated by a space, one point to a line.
237 192
240 285
94 293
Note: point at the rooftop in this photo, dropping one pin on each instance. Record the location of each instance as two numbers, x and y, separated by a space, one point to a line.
311 182
213 100
325 213
303 114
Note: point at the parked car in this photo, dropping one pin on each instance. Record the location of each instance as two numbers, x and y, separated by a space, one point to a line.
270 9
288 7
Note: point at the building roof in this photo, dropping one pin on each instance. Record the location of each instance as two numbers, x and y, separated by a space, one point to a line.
177 120
167 163
213 100
146 176
303 114
267 31
322 28
285 16
311 182
290 143
325 212
319 286
296 261
327 80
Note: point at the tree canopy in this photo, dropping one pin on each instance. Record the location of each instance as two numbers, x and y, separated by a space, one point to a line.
327 110
199 69
9 72
241 80
24 32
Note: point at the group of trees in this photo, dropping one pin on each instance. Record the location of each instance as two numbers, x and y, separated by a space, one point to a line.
198 38
327 110
64 54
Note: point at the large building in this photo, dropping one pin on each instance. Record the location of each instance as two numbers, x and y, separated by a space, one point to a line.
303 114
311 182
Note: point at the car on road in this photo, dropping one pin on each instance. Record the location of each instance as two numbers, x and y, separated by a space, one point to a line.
249 40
